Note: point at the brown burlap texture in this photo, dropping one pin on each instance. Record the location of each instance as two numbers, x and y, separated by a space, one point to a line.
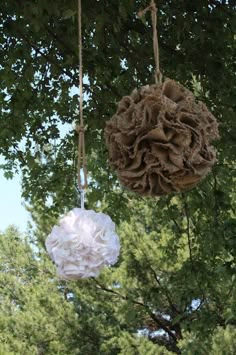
159 139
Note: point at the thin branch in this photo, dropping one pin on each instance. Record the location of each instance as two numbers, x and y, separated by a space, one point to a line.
216 205
163 326
177 225
49 59
66 48
162 323
190 248
104 288
166 294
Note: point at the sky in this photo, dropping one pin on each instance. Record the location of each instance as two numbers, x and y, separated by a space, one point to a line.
12 210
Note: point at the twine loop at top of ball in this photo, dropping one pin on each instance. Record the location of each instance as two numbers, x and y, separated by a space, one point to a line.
152 7
159 140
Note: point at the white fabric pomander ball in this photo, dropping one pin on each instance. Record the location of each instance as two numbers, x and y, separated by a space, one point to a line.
82 244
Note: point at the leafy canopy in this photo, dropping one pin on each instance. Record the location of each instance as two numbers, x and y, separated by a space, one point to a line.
174 287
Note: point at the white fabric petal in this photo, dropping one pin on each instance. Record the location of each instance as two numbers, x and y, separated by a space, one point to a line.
82 244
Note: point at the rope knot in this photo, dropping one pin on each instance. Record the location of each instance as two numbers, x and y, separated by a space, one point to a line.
152 7
80 129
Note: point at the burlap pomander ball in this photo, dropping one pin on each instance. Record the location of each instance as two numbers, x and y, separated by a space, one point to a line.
159 140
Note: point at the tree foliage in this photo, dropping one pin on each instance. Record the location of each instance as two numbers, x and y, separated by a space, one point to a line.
174 287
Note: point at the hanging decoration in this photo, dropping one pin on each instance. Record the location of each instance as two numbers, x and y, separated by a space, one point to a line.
159 140
84 241
82 244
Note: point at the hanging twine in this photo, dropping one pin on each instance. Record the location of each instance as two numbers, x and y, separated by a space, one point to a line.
152 7
82 164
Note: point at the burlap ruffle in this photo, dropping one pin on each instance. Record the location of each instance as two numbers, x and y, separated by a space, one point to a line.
159 139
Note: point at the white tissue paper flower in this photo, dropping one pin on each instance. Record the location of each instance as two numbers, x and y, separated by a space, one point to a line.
82 244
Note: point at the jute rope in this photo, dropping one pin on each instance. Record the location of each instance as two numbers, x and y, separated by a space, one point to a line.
152 7
82 164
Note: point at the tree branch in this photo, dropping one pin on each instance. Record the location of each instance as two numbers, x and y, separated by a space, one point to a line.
162 323
186 212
